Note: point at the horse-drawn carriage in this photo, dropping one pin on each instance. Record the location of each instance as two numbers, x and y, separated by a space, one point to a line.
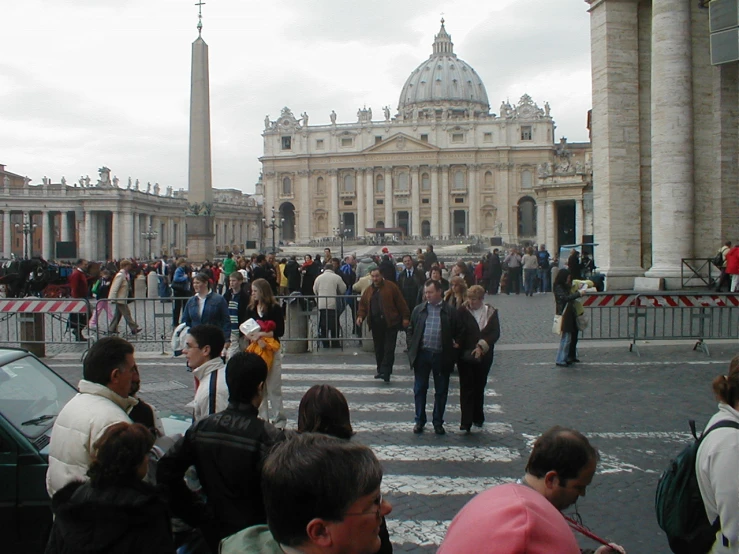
34 277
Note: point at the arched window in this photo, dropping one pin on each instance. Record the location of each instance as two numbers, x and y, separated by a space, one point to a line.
403 181
348 183
320 186
287 186
425 229
526 217
380 224
459 180
488 179
425 182
379 184
526 182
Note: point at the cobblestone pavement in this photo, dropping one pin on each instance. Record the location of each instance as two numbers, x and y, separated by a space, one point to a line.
634 408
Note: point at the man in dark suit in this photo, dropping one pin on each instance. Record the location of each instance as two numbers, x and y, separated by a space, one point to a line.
410 282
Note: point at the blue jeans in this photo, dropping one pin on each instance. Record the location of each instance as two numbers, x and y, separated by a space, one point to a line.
544 275
564 348
426 363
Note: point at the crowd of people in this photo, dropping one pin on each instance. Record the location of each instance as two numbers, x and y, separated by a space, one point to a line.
235 483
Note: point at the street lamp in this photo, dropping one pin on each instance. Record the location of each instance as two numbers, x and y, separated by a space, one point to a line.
342 234
27 229
274 225
149 235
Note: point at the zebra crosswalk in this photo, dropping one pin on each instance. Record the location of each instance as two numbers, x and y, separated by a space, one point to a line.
428 478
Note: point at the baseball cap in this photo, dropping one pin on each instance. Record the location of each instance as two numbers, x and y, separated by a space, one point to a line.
385 250
509 519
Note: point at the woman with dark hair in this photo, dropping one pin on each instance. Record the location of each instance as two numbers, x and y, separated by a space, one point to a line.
115 511
563 303
264 307
717 463
324 409
207 307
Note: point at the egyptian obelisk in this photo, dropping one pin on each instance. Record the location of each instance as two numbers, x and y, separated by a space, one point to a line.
199 229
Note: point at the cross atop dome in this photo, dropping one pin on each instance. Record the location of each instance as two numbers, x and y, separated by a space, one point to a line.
443 42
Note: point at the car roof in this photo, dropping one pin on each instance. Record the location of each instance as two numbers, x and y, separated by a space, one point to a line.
12 354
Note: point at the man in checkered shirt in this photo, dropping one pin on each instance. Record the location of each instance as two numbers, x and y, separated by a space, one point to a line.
434 334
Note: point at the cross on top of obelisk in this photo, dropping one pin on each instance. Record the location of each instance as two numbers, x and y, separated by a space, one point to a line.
200 5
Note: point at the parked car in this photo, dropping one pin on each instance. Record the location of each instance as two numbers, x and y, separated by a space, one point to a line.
31 396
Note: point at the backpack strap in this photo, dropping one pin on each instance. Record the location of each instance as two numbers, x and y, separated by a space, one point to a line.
720 425
212 394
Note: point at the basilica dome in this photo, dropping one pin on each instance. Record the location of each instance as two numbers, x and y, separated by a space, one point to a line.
443 81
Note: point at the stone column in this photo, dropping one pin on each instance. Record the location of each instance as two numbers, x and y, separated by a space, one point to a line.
446 228
361 198
305 213
389 215
334 223
434 169
473 201
118 235
551 234
726 128
579 220
65 225
47 235
369 191
672 137
89 251
614 36
7 244
415 202
541 222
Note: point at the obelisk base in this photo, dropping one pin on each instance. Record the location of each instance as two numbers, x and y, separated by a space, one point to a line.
201 244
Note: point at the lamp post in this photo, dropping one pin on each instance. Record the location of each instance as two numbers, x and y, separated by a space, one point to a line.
149 235
342 234
273 224
27 229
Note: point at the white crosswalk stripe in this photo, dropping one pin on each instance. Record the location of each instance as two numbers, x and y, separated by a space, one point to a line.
422 533
404 453
440 485
383 391
494 428
379 407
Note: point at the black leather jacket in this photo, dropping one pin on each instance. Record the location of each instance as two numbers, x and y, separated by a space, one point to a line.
227 450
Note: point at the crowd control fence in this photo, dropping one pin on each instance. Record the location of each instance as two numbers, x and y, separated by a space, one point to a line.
662 316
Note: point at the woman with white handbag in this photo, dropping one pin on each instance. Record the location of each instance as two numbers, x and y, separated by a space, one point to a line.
565 318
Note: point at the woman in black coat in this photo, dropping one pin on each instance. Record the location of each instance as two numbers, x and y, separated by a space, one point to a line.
115 512
567 353
482 331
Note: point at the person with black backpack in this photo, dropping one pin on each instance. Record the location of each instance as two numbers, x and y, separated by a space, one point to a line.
696 501
717 466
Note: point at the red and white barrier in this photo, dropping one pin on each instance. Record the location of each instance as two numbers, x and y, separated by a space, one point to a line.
662 300
42 306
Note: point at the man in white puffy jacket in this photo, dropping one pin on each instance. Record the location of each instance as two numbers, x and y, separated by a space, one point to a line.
203 347
103 400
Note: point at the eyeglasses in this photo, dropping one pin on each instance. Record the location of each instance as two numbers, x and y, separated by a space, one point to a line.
377 506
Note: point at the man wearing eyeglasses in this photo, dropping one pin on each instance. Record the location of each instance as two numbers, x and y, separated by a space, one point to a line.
340 507
519 517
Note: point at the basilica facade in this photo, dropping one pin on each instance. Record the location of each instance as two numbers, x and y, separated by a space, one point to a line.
442 166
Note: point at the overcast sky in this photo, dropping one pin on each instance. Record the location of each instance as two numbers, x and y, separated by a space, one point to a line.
87 83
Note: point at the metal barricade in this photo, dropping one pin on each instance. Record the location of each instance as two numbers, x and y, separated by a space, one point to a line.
154 316
35 323
662 316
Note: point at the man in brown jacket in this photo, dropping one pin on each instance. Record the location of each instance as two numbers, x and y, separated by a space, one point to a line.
385 310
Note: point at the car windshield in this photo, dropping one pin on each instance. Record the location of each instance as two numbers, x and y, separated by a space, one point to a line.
31 395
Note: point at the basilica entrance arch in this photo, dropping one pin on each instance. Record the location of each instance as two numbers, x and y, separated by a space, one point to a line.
526 217
287 213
